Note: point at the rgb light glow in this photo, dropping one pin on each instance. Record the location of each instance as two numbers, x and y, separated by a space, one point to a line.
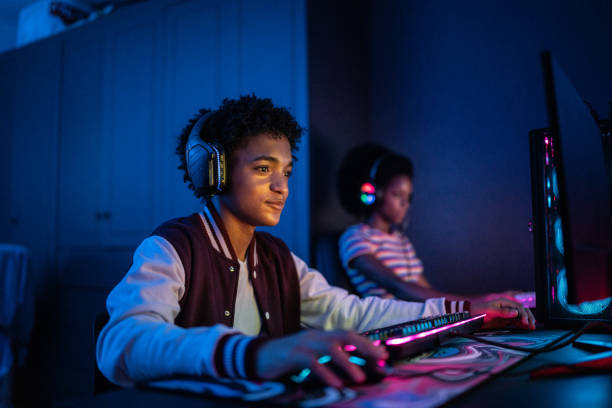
368 188
367 198
403 340
593 307
367 193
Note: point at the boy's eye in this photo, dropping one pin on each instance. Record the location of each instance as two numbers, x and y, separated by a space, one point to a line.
288 173
262 169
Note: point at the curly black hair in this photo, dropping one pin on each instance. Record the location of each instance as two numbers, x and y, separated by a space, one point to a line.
355 170
232 125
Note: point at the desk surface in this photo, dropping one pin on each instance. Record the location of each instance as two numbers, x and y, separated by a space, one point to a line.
511 388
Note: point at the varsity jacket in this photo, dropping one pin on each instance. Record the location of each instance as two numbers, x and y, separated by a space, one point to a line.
172 313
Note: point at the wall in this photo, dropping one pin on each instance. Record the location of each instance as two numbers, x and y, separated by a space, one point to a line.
338 96
8 35
457 86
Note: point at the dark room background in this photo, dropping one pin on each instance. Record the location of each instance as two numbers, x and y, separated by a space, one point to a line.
87 165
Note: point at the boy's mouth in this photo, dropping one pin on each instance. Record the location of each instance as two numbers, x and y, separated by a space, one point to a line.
276 204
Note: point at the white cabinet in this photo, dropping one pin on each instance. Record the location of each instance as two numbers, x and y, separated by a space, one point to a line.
92 132
130 87
130 140
80 209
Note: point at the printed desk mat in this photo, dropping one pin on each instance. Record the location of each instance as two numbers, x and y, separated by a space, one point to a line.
428 380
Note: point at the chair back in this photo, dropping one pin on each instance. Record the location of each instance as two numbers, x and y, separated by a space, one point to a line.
327 260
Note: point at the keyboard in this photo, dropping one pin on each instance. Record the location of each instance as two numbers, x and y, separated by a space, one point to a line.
417 336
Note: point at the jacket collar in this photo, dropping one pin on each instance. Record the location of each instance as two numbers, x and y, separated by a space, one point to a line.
218 237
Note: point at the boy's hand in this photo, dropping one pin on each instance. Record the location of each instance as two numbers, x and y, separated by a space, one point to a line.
286 355
503 312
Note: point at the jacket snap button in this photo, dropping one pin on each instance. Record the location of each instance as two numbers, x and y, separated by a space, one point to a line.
254 274
267 316
231 269
227 312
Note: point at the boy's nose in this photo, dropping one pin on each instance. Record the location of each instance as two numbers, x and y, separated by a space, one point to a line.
280 184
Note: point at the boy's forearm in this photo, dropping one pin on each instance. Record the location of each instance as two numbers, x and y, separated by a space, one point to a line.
141 348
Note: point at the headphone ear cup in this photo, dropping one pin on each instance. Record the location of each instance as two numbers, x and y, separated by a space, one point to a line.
206 162
197 166
367 193
217 166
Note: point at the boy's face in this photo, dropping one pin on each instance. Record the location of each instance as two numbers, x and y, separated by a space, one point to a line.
397 197
259 180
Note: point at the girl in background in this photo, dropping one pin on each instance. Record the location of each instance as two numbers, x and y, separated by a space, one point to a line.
376 185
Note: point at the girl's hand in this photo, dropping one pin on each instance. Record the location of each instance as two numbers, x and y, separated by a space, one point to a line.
503 312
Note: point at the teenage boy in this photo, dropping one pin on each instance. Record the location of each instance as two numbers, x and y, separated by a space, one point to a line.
208 295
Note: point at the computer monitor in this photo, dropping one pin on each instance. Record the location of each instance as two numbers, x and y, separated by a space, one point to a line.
571 209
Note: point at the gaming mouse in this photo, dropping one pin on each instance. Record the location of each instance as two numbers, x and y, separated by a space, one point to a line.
374 372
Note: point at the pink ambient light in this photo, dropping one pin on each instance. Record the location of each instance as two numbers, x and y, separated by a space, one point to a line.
351 347
552 292
402 340
368 188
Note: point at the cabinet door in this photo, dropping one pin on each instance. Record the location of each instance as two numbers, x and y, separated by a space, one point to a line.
80 211
7 107
131 134
34 154
274 61
201 68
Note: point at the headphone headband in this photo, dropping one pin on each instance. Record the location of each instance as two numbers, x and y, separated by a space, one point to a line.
374 168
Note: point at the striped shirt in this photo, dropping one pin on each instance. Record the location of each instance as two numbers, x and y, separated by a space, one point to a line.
394 250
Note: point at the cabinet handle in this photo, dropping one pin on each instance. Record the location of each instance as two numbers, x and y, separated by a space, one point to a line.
103 215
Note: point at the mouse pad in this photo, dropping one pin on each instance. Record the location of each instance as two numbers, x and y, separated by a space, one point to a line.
428 380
